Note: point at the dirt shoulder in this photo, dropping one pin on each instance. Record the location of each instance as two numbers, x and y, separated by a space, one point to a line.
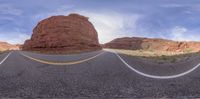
159 57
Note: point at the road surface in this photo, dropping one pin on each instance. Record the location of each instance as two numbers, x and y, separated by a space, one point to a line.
99 74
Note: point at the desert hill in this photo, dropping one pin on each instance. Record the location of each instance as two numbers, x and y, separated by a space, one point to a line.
138 43
6 46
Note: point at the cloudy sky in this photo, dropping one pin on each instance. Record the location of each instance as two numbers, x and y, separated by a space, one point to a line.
170 19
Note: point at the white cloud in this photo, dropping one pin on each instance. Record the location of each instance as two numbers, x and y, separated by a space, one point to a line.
7 9
171 5
62 10
178 33
9 12
21 38
8 18
182 34
111 25
16 37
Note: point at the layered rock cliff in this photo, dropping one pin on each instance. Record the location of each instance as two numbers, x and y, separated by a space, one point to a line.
63 34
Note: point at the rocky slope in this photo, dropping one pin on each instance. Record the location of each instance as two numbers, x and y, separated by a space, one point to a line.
63 34
137 43
4 46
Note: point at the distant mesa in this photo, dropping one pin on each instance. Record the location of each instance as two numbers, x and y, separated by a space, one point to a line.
4 46
63 34
137 43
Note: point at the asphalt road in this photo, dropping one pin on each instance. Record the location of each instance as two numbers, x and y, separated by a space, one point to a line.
99 74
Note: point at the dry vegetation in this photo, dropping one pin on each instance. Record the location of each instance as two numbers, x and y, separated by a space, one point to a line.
1 52
158 56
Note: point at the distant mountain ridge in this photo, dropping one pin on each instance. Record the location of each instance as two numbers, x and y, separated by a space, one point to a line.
137 43
4 46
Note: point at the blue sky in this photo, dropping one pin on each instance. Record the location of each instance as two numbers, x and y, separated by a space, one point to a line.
170 19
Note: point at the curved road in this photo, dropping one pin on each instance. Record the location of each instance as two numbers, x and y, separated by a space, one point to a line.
101 75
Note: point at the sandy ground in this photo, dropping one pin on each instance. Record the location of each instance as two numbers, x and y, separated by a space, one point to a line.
159 57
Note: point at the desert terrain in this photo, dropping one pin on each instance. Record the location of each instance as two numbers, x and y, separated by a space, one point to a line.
63 58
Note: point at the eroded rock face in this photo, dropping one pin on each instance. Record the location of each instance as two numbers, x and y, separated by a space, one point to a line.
137 43
73 33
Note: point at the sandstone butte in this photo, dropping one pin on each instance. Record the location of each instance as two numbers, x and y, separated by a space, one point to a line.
137 43
63 34
4 46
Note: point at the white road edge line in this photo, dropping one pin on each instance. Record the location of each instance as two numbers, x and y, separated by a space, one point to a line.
155 76
5 58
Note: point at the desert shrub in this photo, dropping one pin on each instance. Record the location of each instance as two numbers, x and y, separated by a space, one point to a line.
151 50
164 57
140 50
173 60
188 50
144 56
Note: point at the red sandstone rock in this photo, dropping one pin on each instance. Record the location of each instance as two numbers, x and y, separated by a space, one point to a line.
63 34
136 43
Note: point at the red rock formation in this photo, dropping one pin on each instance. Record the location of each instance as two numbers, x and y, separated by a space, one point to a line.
4 46
63 34
136 43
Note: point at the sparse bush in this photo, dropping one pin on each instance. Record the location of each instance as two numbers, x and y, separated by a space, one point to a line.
173 60
187 58
151 50
188 50
164 57
144 57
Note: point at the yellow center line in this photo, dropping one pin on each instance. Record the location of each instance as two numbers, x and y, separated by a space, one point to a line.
61 63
